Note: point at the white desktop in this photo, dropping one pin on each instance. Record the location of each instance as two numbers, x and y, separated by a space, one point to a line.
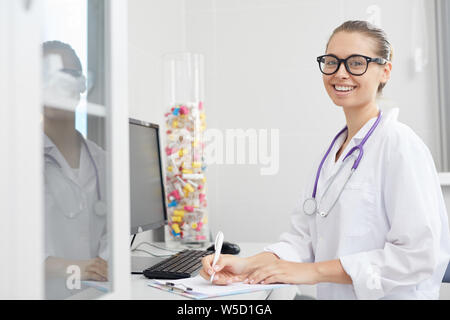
140 290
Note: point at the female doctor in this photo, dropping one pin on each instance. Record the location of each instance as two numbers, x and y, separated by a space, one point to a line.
372 222
75 215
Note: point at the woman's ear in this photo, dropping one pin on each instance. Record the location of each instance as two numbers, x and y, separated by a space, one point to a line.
386 72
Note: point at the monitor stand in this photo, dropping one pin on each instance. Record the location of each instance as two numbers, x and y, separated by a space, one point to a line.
139 264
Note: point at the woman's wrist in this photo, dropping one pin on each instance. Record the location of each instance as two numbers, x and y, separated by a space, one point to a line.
330 271
317 273
259 260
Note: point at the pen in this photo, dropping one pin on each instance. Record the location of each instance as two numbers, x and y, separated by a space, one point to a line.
217 247
172 287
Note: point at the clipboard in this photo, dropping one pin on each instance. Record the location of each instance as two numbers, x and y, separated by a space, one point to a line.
200 288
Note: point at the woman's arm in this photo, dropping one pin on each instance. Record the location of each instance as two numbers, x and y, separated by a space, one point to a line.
230 268
92 269
282 271
331 271
266 267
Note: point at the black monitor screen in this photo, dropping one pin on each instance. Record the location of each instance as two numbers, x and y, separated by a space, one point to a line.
147 198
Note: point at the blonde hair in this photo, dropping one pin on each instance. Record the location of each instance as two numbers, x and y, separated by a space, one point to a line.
383 47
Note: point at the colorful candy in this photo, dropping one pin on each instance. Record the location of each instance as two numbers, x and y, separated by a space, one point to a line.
176 219
178 213
172 204
185 167
176 228
184 110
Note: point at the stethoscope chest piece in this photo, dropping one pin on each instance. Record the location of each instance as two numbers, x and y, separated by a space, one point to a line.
310 206
100 208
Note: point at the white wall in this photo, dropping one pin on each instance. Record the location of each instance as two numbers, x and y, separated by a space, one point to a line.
261 73
155 28
22 227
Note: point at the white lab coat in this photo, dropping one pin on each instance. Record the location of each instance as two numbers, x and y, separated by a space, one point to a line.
84 235
389 227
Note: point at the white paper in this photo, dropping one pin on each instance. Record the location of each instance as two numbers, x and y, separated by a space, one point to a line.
204 288
104 286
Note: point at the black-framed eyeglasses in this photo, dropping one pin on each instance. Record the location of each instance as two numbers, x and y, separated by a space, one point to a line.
355 64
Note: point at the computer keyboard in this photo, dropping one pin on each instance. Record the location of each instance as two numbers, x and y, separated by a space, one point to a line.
181 265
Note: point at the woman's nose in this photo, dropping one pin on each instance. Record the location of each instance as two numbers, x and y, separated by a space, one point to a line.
342 71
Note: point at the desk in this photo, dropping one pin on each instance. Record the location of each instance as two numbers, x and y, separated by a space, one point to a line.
141 291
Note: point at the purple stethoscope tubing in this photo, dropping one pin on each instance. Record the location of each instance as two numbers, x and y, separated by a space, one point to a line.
355 164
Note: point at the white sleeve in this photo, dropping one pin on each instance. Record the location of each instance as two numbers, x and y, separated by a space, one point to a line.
413 203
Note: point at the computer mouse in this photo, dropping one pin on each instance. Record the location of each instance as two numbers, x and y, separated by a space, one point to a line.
227 248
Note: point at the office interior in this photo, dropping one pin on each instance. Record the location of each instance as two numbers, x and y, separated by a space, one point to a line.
260 80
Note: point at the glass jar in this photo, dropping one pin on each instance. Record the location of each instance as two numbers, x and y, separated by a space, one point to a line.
184 149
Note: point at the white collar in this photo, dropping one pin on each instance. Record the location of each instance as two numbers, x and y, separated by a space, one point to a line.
331 165
388 116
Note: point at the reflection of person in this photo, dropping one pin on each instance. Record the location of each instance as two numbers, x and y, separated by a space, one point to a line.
75 220
379 232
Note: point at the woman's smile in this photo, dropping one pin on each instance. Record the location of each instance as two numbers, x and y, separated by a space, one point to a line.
343 90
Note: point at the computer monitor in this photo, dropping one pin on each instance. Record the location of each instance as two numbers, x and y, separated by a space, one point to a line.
147 197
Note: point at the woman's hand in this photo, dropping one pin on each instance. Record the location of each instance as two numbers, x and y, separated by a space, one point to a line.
231 269
228 269
94 269
282 271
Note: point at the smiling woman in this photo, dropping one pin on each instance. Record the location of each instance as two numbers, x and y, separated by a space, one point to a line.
358 84
381 46
375 226
356 44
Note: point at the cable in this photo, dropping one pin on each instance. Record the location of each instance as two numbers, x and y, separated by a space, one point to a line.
211 236
152 254
159 247
132 240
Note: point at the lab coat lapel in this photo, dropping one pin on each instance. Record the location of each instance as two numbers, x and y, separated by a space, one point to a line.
87 171
331 166
51 149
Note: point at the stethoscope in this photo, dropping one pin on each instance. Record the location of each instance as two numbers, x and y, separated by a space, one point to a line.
310 205
99 206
